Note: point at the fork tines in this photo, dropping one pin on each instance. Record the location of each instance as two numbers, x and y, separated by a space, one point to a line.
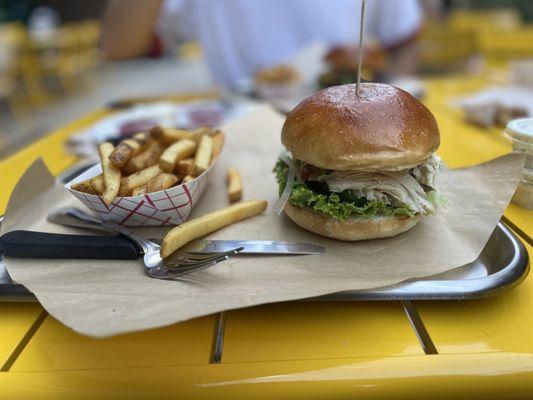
191 262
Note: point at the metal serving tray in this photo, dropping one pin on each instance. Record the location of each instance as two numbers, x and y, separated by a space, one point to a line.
502 264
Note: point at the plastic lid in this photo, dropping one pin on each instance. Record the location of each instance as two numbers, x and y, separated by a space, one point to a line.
521 130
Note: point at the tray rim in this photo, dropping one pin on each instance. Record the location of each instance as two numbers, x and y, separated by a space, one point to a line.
507 278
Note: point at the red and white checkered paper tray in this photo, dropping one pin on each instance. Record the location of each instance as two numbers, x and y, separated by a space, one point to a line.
166 207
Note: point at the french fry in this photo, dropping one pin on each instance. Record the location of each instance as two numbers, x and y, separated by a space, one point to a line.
184 167
187 178
145 159
218 143
234 185
204 130
121 154
139 178
161 182
198 227
128 148
111 173
83 186
97 183
202 159
169 135
139 190
175 152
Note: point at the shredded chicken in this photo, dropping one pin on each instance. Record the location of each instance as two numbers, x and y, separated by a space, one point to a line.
426 173
392 187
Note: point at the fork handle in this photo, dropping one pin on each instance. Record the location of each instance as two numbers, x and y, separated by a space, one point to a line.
30 244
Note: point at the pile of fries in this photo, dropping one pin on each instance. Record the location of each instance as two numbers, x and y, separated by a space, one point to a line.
163 158
154 161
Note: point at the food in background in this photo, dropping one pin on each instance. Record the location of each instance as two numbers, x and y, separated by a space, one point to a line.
279 82
492 114
342 65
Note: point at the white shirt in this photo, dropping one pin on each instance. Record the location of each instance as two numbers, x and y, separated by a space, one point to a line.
238 37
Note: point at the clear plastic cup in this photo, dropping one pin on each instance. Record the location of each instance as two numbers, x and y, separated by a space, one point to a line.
520 131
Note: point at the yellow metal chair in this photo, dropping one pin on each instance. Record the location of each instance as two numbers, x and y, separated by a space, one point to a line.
498 35
501 19
27 68
67 59
10 91
507 45
442 48
58 60
88 54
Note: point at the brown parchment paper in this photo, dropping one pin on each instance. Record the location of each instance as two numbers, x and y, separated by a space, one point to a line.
101 298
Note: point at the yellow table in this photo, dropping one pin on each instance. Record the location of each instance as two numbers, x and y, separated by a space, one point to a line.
287 350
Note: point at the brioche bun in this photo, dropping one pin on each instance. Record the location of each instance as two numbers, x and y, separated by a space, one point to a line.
383 128
352 229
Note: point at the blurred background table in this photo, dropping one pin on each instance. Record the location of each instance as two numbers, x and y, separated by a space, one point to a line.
52 75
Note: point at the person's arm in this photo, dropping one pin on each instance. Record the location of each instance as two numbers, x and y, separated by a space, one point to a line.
398 25
404 59
128 28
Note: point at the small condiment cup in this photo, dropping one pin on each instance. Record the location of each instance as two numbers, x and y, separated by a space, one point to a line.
520 131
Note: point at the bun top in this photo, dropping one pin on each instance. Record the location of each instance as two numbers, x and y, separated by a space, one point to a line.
384 128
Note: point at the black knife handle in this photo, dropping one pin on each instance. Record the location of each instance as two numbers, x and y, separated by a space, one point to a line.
29 244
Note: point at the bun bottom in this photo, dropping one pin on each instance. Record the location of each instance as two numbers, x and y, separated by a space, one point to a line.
351 229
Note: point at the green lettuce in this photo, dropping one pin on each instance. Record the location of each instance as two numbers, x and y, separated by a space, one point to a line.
337 205
437 199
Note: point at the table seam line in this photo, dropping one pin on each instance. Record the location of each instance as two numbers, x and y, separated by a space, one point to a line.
24 342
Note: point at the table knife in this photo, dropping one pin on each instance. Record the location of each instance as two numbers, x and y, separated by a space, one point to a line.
31 244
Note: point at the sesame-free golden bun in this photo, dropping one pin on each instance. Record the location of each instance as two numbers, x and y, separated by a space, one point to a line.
351 229
383 128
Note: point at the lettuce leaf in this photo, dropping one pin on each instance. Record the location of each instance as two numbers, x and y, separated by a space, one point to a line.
437 199
337 205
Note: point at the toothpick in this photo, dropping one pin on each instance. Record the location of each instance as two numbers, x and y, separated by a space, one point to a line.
360 49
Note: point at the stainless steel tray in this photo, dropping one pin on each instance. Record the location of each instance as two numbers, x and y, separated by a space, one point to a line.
502 264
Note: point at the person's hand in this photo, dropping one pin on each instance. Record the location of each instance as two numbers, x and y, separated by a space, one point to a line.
128 28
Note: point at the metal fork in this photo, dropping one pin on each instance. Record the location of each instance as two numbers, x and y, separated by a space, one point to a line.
180 263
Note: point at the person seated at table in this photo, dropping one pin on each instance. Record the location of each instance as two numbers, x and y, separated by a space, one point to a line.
239 37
